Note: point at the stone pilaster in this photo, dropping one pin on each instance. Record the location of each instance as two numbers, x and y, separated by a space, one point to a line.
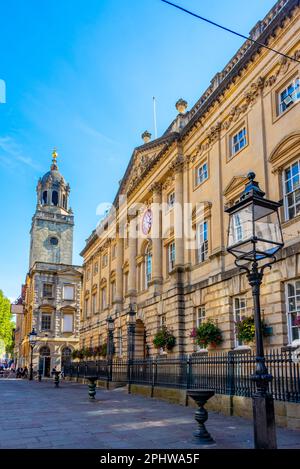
156 234
178 219
119 271
132 257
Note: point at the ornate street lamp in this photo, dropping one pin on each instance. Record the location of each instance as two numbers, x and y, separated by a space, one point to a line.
110 343
32 337
254 237
131 321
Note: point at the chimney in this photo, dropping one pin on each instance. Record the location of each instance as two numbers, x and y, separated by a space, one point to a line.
181 106
146 136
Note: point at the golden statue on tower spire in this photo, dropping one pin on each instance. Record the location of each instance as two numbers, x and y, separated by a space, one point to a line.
54 158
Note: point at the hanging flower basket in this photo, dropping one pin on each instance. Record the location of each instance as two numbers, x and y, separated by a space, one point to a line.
245 329
207 334
164 339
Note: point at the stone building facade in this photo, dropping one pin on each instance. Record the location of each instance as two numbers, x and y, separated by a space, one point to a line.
171 262
52 290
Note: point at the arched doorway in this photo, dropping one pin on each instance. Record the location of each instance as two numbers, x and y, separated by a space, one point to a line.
66 355
45 361
140 340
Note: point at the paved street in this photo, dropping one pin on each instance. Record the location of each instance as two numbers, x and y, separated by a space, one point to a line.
36 415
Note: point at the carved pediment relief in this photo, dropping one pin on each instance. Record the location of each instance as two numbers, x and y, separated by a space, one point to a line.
141 161
285 151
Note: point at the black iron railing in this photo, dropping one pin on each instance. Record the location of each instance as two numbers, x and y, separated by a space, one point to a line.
226 373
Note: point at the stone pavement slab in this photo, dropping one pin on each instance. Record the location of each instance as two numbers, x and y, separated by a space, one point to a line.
37 415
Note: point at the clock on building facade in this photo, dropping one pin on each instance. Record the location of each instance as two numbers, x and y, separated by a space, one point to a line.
147 222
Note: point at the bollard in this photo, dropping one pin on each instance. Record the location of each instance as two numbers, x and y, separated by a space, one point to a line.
92 387
201 396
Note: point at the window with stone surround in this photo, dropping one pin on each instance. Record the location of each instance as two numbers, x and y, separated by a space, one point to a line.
125 283
68 320
162 320
86 307
148 266
46 322
171 256
291 190
200 315
239 312
48 290
113 290
94 303
113 251
201 173
288 95
68 292
200 318
293 309
104 260
238 141
96 266
171 200
202 241
103 298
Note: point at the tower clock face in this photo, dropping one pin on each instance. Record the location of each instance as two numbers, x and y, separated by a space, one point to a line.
147 222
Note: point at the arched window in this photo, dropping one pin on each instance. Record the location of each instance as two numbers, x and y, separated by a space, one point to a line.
66 354
55 197
148 265
64 202
45 197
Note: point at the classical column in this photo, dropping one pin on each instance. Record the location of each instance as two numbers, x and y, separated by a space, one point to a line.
156 234
178 211
132 257
119 271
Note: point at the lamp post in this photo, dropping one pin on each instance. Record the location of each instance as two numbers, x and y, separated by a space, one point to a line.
254 237
32 341
110 342
131 320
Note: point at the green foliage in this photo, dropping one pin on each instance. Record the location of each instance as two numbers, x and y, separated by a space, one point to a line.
104 350
245 329
208 334
164 339
6 323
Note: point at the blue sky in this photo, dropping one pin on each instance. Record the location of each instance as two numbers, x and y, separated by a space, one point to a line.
80 75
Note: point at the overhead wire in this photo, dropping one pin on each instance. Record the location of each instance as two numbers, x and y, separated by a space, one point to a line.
254 41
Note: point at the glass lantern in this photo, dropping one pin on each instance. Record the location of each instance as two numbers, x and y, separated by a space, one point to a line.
110 324
32 337
254 231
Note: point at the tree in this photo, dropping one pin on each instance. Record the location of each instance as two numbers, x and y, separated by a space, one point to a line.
6 323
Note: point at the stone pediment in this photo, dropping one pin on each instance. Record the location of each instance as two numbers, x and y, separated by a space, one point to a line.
285 151
141 161
235 186
70 271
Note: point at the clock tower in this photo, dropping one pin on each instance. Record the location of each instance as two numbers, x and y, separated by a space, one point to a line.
52 224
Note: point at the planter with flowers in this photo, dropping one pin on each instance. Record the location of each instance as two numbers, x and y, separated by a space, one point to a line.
164 339
245 329
207 334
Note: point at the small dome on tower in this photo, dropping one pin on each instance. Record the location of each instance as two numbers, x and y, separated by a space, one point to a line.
52 188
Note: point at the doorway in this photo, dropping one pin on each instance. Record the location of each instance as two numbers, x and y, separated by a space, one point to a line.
45 362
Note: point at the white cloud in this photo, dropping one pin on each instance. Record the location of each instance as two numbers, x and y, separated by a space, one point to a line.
11 153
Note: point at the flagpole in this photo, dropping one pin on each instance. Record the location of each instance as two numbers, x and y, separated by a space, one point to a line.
154 116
